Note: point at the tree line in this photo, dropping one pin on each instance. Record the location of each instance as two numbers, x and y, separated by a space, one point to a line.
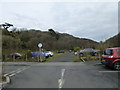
27 40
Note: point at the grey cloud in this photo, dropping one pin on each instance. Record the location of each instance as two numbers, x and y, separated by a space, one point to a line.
95 20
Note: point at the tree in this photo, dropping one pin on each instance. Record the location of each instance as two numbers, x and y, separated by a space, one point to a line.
6 25
76 49
53 33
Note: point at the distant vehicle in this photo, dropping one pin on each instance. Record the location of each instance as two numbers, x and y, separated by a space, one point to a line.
61 51
96 52
15 55
49 53
36 54
111 58
46 55
89 51
75 53
70 51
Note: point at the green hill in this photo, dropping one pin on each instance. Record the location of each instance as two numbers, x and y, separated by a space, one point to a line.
113 41
19 41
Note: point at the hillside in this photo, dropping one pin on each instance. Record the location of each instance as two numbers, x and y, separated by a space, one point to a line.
28 40
113 41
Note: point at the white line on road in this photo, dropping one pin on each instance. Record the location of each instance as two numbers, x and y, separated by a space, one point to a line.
61 80
109 71
83 60
13 71
18 72
62 72
10 74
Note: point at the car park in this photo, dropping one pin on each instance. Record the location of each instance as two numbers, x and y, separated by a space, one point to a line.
111 58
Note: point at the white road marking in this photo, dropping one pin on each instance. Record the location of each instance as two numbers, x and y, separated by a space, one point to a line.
18 72
13 71
83 60
62 72
10 74
109 71
61 80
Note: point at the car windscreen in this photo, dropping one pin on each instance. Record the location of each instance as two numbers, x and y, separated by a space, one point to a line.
118 51
108 52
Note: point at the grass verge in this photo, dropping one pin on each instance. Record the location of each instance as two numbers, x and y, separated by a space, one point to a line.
76 60
86 58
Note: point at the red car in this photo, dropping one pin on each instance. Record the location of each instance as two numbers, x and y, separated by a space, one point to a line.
111 58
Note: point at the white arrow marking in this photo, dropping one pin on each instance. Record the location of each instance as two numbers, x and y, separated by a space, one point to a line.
61 80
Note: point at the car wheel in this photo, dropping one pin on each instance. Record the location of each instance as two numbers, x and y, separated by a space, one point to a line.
116 66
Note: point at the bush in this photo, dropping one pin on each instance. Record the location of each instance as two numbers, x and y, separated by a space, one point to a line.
76 49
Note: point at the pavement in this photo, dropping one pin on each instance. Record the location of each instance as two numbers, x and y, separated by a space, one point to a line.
89 74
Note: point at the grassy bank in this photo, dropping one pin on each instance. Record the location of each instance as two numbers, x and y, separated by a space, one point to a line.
86 58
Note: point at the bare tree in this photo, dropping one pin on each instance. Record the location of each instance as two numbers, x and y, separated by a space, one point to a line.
53 33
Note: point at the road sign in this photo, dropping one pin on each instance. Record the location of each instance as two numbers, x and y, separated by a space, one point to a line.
40 45
40 57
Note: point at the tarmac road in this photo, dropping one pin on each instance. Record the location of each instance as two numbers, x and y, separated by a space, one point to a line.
62 75
65 57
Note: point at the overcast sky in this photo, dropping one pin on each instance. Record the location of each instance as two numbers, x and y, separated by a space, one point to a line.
94 20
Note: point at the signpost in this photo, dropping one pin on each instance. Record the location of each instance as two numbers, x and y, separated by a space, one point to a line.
40 51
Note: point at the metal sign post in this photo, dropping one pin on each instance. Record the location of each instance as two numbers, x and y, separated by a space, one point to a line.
40 51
